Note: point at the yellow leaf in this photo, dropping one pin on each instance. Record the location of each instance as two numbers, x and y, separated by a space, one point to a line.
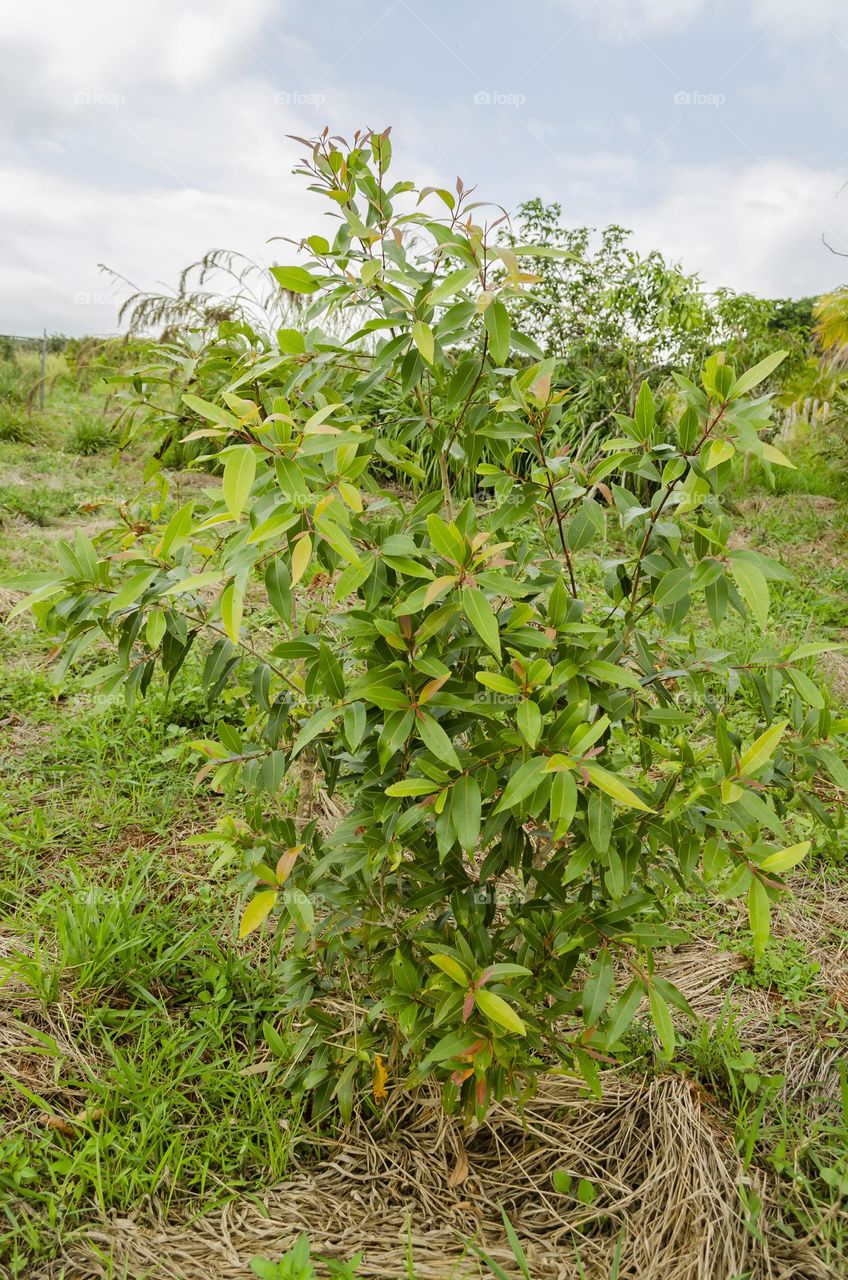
452 968
499 1011
256 910
783 859
718 451
379 1079
232 607
614 787
762 750
422 336
351 495
730 792
301 556
776 458
239 473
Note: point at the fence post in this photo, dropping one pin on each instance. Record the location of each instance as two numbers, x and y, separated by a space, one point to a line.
43 369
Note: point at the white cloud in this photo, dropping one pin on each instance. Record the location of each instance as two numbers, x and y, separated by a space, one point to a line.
757 228
101 48
622 19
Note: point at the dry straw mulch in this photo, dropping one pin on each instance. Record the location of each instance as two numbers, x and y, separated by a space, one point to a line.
666 1175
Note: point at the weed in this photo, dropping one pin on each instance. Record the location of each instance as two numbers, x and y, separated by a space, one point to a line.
783 966
298 1264
16 426
89 436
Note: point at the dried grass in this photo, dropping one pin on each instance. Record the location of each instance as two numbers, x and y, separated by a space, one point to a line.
665 1172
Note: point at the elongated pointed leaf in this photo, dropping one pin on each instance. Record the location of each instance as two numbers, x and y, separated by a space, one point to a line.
317 723
614 787
759 914
661 1015
498 1011
257 909
232 606
785 859
422 336
753 588
301 556
523 783
761 751
436 740
496 320
753 377
465 811
239 474
481 615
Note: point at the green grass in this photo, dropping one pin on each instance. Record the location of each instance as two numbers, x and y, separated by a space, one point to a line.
136 1016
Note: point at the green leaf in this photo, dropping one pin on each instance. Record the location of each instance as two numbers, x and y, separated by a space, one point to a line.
498 683
523 783
499 1012
563 801
232 607
645 411
769 453
761 751
295 279
278 586
447 539
301 555
300 909
435 739
177 529
661 1015
130 590
597 988
194 582
291 481
623 1012
807 690
451 284
239 474
317 723
753 587
465 812
412 786
212 412
528 717
496 320
481 615
614 787
451 967
784 859
422 336
673 586
752 377
759 914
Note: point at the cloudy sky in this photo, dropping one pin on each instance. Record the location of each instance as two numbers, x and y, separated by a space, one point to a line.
144 132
